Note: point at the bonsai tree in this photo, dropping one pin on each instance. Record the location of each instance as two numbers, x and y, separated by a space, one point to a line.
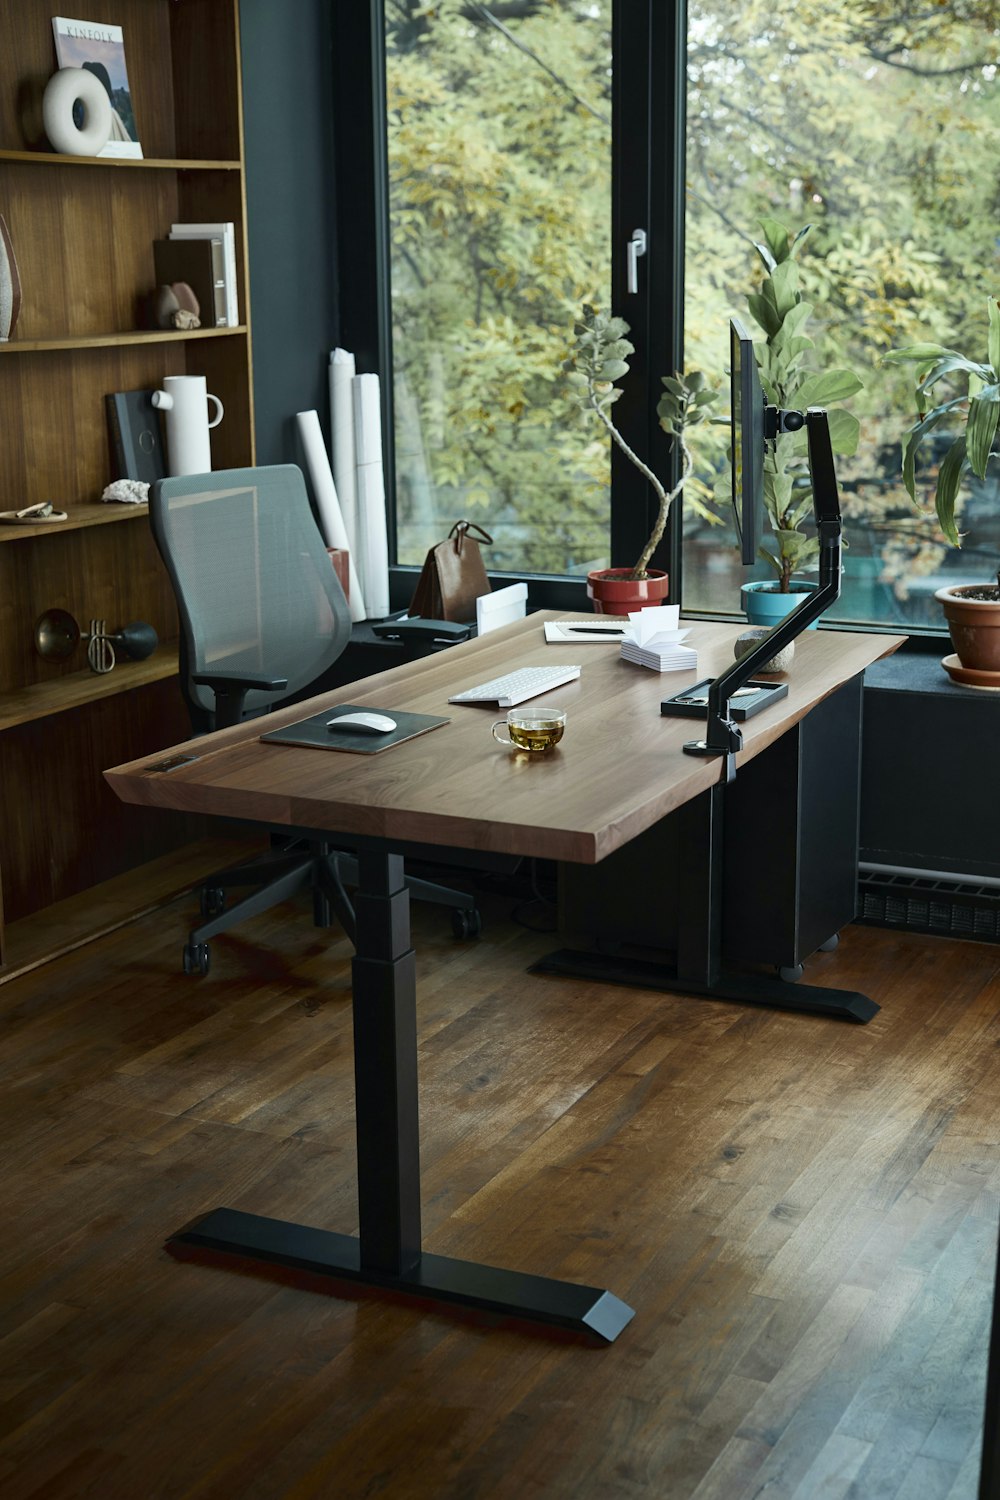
600 358
789 382
974 411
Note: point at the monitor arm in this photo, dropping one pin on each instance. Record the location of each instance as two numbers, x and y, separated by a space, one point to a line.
722 735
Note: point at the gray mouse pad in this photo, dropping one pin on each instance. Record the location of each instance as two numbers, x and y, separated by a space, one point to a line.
314 733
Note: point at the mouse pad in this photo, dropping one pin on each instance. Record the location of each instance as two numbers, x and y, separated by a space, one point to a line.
314 733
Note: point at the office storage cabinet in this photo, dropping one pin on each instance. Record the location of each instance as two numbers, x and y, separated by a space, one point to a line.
790 862
82 229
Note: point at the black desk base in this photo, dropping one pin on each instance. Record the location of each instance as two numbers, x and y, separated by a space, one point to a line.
387 1254
434 1278
749 989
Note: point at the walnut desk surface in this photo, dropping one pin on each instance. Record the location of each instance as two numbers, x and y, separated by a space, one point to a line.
619 769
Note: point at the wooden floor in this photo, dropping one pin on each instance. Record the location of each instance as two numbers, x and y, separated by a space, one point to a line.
803 1213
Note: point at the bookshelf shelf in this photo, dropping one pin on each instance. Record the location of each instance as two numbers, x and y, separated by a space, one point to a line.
115 340
103 513
76 689
116 164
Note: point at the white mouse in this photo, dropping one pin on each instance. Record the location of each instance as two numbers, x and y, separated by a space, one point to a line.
363 723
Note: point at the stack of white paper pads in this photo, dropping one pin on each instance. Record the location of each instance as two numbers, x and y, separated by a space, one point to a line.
654 640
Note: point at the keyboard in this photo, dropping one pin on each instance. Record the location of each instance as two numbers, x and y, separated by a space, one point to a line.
516 687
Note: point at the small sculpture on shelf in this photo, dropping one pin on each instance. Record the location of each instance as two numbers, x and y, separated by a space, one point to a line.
175 306
57 636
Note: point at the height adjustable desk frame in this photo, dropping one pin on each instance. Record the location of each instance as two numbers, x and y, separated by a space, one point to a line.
698 969
229 774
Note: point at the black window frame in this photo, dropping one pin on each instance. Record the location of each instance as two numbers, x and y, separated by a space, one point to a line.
648 147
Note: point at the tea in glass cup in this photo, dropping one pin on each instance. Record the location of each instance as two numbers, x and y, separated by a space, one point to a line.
535 729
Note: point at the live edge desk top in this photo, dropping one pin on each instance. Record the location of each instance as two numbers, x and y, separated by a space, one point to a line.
619 769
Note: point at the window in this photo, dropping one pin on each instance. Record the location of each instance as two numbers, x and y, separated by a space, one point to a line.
525 138
499 157
880 126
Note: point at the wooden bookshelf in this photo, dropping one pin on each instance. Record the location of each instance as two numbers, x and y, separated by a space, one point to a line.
83 230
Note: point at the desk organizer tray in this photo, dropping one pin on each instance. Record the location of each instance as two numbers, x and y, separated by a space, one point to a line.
692 702
313 733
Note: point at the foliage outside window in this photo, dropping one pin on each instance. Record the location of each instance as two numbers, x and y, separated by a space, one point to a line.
499 128
880 125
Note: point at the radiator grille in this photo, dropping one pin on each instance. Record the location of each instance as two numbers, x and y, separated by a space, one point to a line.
949 908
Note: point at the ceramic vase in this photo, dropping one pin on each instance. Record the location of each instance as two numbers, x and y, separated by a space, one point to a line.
10 285
184 403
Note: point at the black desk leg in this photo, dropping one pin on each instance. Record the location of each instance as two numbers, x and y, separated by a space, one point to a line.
387 1252
698 970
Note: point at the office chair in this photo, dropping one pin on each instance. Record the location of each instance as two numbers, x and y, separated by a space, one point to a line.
262 617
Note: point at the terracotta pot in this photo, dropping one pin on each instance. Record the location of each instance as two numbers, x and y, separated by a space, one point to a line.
614 593
973 624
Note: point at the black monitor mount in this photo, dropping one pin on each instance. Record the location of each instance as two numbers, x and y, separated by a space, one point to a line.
722 735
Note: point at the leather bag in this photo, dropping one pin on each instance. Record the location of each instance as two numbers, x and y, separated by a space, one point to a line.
453 576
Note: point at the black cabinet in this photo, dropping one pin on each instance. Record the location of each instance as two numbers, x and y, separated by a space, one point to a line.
790 862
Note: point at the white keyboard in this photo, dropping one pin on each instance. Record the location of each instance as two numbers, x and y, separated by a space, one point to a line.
516 687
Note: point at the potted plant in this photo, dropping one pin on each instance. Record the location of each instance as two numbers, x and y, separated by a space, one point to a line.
779 310
599 359
971 610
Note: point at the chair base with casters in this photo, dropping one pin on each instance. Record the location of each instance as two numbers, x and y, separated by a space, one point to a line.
281 873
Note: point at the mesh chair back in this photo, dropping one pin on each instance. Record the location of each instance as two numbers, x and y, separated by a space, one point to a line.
256 589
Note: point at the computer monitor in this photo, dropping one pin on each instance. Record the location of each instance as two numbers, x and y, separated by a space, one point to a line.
747 440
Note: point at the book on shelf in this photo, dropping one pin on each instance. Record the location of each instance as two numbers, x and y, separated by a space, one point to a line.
100 49
135 435
226 233
200 264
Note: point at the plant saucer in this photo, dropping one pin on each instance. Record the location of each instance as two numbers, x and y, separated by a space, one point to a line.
976 677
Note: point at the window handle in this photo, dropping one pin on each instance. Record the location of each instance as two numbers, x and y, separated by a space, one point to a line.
636 247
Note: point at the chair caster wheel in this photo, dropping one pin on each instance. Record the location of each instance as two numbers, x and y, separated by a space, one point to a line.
196 960
466 921
212 900
831 944
790 973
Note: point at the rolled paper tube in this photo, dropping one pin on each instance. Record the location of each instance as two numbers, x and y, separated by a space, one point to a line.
342 440
331 520
371 495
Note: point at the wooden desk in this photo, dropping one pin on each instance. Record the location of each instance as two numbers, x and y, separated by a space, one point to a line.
619 769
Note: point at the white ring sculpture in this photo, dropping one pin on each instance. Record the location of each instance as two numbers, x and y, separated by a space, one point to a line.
65 89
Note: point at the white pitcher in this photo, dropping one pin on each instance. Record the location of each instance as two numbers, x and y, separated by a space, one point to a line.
185 400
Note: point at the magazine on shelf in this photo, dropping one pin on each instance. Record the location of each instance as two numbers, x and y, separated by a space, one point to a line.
226 233
100 49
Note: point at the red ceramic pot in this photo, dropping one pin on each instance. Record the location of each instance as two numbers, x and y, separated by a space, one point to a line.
614 593
973 624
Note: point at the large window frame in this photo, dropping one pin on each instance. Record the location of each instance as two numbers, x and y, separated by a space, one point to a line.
649 94
647 190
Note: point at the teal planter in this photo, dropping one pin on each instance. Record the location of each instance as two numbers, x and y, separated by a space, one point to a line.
765 606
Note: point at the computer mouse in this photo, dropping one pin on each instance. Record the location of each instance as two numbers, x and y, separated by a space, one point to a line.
363 723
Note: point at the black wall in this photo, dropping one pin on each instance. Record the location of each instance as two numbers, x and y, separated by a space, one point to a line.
288 131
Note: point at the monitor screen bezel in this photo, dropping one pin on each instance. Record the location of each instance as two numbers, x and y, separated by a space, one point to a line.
746 420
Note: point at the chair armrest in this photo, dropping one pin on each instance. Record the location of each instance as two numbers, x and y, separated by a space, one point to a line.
231 688
244 680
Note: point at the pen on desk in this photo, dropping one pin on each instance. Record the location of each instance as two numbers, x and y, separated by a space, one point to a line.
597 629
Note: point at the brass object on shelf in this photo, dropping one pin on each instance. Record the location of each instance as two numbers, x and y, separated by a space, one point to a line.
57 635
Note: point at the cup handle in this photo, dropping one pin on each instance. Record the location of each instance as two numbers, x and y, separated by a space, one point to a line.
501 724
219 415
